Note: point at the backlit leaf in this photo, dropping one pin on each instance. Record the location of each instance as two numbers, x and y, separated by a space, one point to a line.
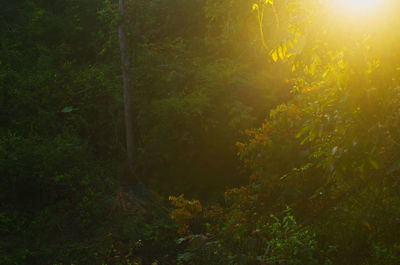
274 56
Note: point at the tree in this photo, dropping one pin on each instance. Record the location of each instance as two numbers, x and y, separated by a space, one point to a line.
126 64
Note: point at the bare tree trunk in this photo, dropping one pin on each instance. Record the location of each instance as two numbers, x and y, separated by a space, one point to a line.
126 64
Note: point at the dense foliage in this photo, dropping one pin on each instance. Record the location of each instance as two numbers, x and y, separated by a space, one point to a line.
330 153
278 120
66 192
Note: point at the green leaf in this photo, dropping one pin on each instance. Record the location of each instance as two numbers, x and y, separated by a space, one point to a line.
374 164
180 240
68 109
185 256
303 131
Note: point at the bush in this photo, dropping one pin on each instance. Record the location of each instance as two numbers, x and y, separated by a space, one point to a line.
242 234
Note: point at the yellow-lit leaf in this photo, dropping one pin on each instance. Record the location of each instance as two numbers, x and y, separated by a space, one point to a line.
274 56
312 69
293 68
280 51
255 6
284 48
367 225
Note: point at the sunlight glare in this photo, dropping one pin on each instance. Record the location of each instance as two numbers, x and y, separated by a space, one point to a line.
359 6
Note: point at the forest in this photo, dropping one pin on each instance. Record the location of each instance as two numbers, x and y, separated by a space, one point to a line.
200 132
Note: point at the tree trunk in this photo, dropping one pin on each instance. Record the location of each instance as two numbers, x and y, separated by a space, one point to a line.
126 64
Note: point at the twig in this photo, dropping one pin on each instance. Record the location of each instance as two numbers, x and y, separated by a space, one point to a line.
266 253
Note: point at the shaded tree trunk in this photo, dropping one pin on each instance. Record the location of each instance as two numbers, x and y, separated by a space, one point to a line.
126 65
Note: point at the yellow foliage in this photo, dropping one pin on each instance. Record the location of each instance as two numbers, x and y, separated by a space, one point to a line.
185 210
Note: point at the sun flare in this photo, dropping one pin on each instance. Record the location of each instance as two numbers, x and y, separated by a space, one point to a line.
359 6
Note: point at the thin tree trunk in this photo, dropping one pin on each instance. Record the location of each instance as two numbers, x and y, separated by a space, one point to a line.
125 58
